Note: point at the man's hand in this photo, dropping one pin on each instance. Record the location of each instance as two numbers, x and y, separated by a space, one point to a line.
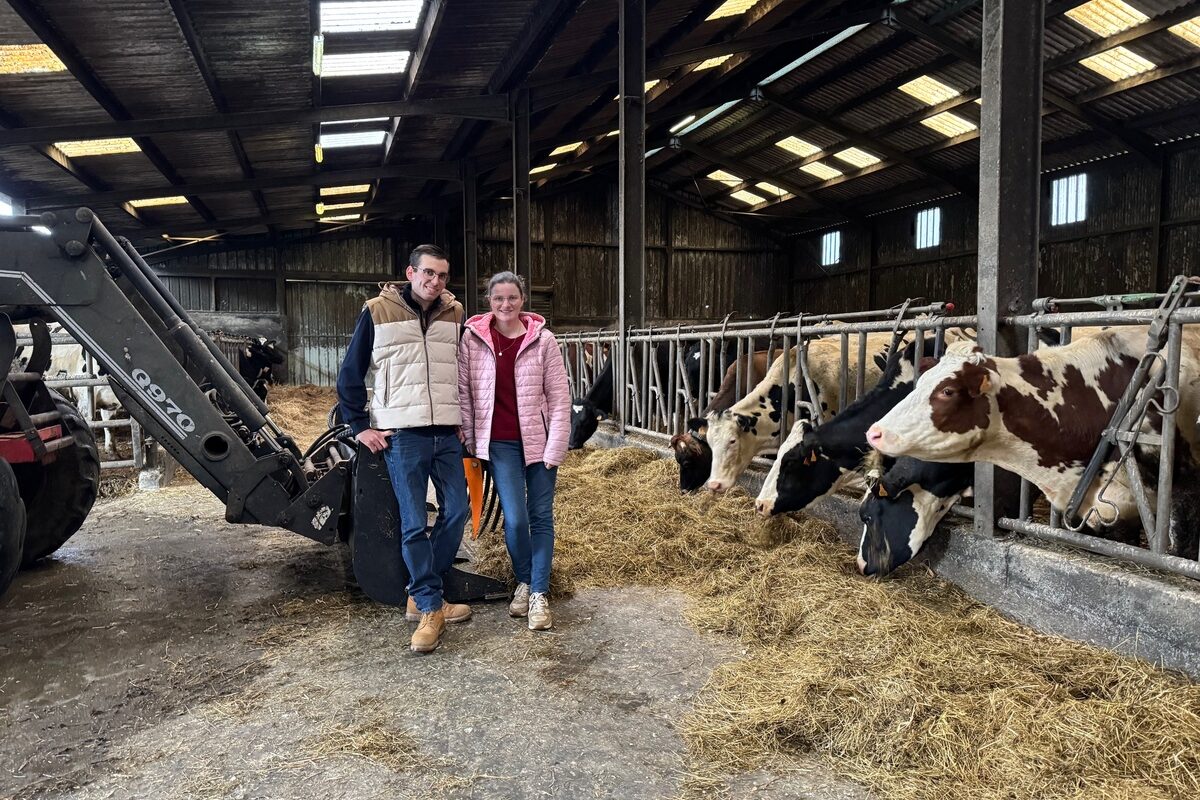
462 437
376 441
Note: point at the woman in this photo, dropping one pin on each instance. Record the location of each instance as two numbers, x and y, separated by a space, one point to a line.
516 410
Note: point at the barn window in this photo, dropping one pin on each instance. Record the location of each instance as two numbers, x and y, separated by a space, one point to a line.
929 227
1068 199
831 248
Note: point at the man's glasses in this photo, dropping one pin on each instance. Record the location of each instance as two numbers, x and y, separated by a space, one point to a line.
432 275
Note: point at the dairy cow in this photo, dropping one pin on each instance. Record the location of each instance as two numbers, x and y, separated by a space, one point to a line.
255 360
597 404
739 433
905 500
691 449
1041 416
814 461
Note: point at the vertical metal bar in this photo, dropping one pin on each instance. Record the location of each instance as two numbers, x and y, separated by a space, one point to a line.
470 238
918 337
522 257
844 376
860 382
784 427
1160 538
135 441
1026 500
739 362
1009 178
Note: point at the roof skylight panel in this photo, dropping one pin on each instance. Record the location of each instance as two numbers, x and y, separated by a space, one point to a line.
370 15
1118 63
542 168
683 123
339 65
822 171
749 198
949 125
1188 31
342 218
333 191
149 202
325 207
97 147
564 149
772 190
798 146
731 8
646 88
929 90
856 157
25 59
353 139
716 61
1107 17
727 178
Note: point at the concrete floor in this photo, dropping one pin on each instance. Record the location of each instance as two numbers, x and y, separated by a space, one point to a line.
164 653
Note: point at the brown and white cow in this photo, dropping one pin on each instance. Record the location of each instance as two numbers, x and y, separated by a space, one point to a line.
1039 415
750 425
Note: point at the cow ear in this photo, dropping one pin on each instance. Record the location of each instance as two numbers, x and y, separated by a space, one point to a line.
928 363
600 415
983 386
744 422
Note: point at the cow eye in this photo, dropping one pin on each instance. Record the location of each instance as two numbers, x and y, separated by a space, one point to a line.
947 392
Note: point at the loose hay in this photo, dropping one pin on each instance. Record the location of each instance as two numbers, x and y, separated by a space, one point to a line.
302 411
907 686
372 736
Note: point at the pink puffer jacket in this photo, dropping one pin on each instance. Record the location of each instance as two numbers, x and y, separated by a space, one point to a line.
543 394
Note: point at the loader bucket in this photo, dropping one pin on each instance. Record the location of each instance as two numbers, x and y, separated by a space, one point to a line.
375 543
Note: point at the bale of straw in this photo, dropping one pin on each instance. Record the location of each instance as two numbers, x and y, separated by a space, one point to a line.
907 686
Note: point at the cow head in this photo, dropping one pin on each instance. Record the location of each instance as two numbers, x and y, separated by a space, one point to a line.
693 455
901 510
585 418
264 350
947 415
806 473
732 438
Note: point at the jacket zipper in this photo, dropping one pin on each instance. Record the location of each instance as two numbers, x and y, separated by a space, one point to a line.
428 371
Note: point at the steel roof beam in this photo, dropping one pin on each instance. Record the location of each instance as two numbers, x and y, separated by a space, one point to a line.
417 171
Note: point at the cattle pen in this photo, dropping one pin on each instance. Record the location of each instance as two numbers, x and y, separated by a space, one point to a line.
881 326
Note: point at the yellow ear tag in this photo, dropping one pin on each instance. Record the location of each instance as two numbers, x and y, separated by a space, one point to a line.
882 491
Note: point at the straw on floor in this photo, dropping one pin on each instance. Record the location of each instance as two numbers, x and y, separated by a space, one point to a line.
907 685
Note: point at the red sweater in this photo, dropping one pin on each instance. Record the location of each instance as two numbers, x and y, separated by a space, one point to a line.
506 427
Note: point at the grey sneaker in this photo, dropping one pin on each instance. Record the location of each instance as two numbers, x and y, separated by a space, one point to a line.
540 618
519 606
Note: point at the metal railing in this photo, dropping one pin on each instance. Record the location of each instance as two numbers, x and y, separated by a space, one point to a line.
82 390
658 392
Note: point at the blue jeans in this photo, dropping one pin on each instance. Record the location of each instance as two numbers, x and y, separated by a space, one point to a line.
412 459
527 498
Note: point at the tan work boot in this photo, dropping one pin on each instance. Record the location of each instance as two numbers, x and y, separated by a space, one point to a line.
519 606
540 618
454 612
428 634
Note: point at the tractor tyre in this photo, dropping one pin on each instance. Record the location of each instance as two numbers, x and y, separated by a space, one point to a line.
12 526
59 496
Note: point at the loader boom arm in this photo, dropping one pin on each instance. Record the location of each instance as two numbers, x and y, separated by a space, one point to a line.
102 292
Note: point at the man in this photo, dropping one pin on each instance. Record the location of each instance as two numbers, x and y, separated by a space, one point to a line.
405 348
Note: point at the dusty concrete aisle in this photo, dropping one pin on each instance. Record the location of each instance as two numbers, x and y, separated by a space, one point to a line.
168 654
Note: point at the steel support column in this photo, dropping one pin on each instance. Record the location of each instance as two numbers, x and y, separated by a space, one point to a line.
470 239
631 294
522 256
1009 180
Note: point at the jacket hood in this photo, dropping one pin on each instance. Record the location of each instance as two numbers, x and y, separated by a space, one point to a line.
481 323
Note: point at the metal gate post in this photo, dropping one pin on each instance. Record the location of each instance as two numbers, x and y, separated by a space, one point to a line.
1009 180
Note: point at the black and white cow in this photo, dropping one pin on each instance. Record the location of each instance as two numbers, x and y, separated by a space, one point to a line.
587 411
739 433
1041 416
255 360
905 500
691 449
814 461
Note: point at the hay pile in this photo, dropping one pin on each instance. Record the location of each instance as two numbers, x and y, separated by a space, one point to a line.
907 686
302 411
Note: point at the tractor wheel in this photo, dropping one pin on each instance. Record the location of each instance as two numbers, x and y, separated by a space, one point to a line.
59 495
12 525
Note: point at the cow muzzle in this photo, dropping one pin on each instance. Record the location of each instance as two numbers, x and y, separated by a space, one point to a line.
716 486
876 437
764 507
